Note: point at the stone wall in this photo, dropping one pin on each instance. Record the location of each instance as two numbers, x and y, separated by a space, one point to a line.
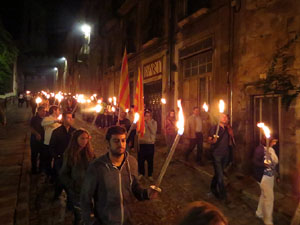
261 27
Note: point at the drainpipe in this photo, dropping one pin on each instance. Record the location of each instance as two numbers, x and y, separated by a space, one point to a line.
234 6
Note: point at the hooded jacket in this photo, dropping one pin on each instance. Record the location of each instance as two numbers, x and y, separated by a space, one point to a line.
108 191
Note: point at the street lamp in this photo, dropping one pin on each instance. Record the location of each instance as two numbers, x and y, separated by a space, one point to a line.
86 29
65 71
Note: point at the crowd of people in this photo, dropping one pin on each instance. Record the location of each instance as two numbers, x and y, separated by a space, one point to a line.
99 189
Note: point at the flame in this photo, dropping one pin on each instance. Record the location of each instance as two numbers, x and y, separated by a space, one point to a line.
48 96
221 106
98 108
180 122
163 101
59 96
115 100
92 98
38 100
205 107
127 110
136 117
27 92
88 101
59 117
110 100
266 129
99 101
95 95
113 109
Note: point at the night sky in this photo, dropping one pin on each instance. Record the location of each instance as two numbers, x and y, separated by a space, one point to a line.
61 15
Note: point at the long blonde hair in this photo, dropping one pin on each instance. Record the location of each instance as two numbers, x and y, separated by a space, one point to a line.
73 153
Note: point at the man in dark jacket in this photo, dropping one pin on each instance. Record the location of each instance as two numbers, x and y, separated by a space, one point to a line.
59 141
37 137
111 184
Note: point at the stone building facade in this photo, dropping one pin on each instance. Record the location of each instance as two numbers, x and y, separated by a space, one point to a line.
200 51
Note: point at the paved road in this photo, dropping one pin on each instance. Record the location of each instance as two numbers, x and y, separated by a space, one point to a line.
181 185
14 166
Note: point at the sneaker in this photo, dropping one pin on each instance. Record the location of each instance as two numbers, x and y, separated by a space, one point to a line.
151 178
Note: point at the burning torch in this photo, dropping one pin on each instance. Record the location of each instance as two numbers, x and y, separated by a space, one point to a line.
136 119
180 126
267 133
221 110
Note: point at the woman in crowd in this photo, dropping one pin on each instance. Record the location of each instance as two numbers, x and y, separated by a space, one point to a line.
265 161
77 157
170 128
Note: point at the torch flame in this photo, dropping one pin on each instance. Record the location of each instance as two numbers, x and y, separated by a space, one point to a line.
59 96
163 101
109 100
136 117
59 117
266 129
180 122
99 101
127 110
98 108
88 101
38 100
205 107
221 106
113 109
115 100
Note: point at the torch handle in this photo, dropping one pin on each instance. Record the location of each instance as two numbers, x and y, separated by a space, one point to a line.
167 162
94 120
130 129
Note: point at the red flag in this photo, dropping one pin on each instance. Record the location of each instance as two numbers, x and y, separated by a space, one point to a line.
124 93
139 104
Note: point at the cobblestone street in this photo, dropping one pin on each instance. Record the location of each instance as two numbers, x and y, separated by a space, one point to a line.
181 185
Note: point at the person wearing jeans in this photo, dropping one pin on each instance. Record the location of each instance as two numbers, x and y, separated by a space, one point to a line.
264 173
195 135
146 152
220 152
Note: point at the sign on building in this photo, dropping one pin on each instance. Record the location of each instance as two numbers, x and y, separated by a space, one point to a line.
152 69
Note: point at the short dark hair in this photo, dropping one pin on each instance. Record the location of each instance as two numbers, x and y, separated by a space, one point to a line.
52 109
148 111
66 113
202 213
114 130
195 107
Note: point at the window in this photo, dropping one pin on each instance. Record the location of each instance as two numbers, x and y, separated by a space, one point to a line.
198 64
188 7
267 110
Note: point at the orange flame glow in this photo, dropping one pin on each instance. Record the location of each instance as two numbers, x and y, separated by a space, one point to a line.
266 129
136 117
221 106
180 122
205 107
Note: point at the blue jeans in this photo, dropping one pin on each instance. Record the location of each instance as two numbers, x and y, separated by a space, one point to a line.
217 184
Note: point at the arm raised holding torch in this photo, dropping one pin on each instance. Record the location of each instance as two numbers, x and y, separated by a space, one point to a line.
221 110
180 126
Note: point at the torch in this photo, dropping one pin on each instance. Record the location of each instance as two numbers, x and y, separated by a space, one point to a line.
59 117
205 107
38 100
180 126
221 110
136 119
98 109
163 101
267 133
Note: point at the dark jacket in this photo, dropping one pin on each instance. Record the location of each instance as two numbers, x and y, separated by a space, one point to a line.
112 191
59 141
258 163
72 176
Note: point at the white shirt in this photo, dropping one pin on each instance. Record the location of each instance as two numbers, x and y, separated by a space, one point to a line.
49 124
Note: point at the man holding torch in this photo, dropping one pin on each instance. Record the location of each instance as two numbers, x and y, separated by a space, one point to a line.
220 147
